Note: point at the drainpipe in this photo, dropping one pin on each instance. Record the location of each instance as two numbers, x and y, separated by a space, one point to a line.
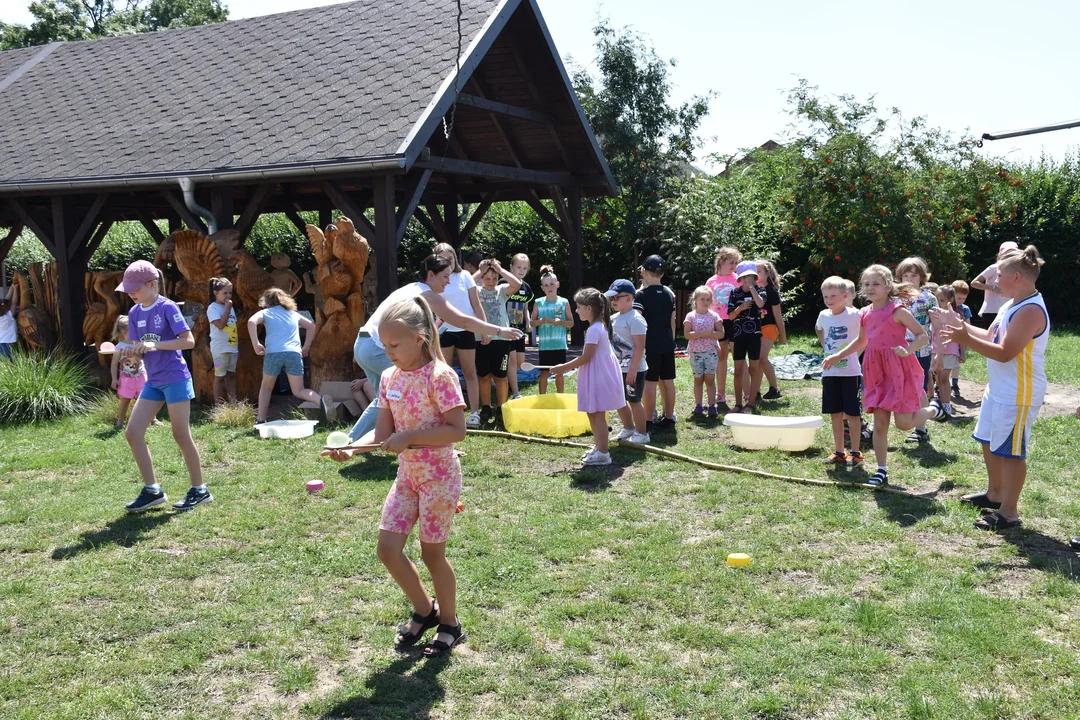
188 188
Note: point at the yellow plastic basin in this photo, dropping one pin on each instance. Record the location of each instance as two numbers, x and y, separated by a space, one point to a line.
551 415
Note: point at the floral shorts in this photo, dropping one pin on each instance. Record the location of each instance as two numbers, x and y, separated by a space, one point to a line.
704 363
425 490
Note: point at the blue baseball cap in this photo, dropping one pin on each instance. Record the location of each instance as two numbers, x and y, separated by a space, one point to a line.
621 287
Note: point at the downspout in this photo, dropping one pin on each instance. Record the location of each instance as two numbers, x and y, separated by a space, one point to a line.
188 188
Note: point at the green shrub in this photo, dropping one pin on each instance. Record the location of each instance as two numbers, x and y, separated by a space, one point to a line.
233 413
125 243
36 387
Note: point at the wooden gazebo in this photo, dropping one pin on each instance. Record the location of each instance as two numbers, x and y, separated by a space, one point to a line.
339 107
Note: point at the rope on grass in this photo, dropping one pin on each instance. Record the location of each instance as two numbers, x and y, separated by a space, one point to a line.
706 464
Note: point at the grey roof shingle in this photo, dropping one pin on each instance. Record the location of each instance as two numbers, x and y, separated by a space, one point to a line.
340 82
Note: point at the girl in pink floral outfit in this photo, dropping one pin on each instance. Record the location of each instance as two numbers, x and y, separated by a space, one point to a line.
420 418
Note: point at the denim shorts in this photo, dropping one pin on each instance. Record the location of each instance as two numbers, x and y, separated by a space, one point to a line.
291 361
180 391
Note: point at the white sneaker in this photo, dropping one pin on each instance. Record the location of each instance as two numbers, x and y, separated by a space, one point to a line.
641 438
625 434
596 458
474 421
516 396
588 452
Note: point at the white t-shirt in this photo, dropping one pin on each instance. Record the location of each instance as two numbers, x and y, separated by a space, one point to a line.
406 292
7 328
837 331
624 327
222 340
992 301
456 295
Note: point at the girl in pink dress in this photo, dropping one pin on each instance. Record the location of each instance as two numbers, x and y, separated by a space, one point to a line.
892 376
420 418
599 386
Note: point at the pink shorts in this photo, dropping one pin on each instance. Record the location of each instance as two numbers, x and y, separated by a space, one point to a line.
427 491
129 387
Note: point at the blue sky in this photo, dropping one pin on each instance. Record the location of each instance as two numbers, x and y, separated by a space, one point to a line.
985 65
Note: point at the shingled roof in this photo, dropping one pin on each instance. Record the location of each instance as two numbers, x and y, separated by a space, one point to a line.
324 86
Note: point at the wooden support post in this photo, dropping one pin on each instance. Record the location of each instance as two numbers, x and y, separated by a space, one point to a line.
38 225
350 207
297 220
452 219
477 216
253 211
413 194
577 259
99 235
326 216
178 206
151 227
70 276
386 260
221 204
174 223
442 232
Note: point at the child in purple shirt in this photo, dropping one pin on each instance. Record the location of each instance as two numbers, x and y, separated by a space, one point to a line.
159 334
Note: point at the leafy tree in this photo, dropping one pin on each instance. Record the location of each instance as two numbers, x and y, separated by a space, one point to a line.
648 142
86 19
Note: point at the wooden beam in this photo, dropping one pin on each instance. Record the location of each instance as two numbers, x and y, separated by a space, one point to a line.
78 240
297 221
348 205
177 204
413 195
40 227
482 92
70 277
539 100
252 211
423 219
221 205
559 202
476 217
577 259
442 232
482 103
9 240
151 227
386 265
547 216
469 167
98 236
452 217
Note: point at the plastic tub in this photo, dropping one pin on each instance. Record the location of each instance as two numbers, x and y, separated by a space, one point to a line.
551 415
287 429
756 432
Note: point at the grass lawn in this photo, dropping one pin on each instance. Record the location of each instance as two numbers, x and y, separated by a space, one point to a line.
599 593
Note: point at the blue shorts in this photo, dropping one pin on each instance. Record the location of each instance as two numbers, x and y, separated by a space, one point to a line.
179 391
291 361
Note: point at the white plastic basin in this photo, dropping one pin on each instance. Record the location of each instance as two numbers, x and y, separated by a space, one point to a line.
287 429
757 432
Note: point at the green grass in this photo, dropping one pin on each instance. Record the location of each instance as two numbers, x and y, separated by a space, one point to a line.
587 593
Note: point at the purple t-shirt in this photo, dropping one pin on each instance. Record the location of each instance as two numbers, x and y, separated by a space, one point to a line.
160 322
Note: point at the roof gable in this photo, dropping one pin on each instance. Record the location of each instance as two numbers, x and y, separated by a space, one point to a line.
327 84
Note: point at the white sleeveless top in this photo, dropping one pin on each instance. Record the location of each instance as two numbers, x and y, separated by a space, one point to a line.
405 292
1022 380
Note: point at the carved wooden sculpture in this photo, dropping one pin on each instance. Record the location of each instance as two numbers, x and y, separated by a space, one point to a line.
342 257
36 325
282 276
198 259
103 306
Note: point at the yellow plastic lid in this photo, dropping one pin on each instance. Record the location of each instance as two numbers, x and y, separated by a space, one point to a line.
738 560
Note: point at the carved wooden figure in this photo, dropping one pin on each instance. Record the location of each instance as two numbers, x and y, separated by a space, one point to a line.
198 259
282 276
103 306
36 325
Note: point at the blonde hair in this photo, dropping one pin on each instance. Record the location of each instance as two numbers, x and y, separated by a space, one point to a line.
701 291
724 254
416 315
895 289
277 296
771 276
852 292
446 248
520 256
120 329
546 270
216 285
597 302
835 282
914 264
961 287
1027 262
949 293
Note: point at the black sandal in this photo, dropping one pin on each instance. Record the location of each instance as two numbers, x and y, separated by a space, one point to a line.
996 521
981 500
737 409
438 647
408 639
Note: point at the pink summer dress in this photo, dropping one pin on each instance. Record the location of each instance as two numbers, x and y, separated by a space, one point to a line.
600 382
890 382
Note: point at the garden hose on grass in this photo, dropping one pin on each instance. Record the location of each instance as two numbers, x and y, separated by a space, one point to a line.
705 463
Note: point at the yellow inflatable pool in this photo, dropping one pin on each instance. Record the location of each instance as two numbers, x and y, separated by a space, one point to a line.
551 415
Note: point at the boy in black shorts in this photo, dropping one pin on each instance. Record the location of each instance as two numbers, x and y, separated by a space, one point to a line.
658 308
744 311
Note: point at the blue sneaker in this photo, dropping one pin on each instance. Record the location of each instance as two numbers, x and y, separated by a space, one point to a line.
147 499
192 499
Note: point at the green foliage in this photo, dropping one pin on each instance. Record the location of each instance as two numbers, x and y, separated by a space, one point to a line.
26 250
78 20
36 387
275 233
125 243
648 143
